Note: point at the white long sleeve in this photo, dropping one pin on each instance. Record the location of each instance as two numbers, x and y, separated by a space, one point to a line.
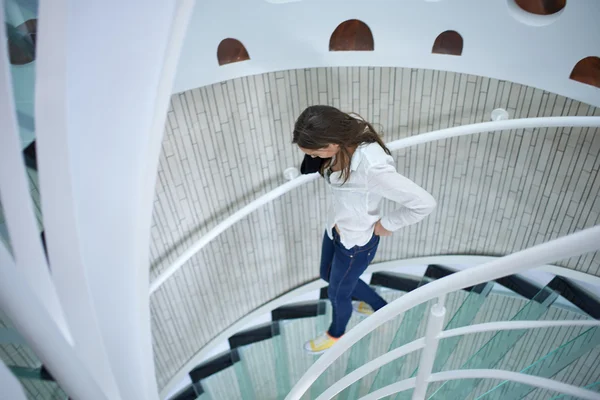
415 202
356 203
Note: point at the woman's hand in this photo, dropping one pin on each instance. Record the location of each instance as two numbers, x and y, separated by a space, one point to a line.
379 230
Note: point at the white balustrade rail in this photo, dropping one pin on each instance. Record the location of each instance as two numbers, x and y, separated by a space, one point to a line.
420 343
531 380
575 244
562 248
485 127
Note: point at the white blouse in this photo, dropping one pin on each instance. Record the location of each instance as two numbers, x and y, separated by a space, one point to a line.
357 203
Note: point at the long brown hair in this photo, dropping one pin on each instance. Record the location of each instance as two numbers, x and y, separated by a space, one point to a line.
319 126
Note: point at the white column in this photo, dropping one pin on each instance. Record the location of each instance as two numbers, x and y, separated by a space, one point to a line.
435 324
104 82
16 200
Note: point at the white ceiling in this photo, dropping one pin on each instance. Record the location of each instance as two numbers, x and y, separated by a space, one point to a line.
500 40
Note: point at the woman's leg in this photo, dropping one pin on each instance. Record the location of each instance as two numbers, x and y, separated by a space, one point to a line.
364 292
327 250
344 280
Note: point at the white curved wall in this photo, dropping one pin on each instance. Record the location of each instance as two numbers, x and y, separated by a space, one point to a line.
296 35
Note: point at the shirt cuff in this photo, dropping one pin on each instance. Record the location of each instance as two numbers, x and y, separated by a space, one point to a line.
389 225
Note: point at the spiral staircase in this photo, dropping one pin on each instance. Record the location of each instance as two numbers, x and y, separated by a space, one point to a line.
134 232
266 361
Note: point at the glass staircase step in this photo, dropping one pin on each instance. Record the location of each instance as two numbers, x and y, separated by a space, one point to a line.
294 334
462 317
562 348
243 377
496 348
410 324
268 369
222 385
258 360
537 344
322 323
594 387
378 343
360 352
282 375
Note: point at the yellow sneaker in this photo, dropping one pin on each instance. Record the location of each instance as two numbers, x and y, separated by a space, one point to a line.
319 344
362 308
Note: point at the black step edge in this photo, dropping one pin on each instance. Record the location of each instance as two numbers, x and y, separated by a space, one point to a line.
188 393
254 335
577 295
324 294
294 311
512 282
45 374
434 271
522 287
392 281
30 156
215 365
198 388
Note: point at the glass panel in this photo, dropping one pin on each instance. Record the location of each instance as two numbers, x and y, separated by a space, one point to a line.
294 334
25 364
243 377
222 385
322 323
495 349
258 360
21 29
462 317
594 387
538 343
282 375
359 355
379 342
547 366
406 333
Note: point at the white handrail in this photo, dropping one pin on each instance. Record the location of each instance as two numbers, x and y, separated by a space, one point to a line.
243 323
228 223
523 123
417 344
558 249
530 380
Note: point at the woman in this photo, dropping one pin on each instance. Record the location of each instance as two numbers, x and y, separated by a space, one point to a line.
360 172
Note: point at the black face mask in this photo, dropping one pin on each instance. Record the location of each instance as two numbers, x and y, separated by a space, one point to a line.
311 165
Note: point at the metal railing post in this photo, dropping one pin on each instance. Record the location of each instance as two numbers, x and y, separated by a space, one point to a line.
435 324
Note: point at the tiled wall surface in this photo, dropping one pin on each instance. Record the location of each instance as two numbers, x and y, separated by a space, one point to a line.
228 143
34 189
23 356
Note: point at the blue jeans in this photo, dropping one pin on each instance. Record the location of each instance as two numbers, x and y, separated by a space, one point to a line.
342 268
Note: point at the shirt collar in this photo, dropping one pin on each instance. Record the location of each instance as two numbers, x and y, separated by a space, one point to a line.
356 158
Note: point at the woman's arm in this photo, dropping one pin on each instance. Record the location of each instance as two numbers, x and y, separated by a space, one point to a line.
415 201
